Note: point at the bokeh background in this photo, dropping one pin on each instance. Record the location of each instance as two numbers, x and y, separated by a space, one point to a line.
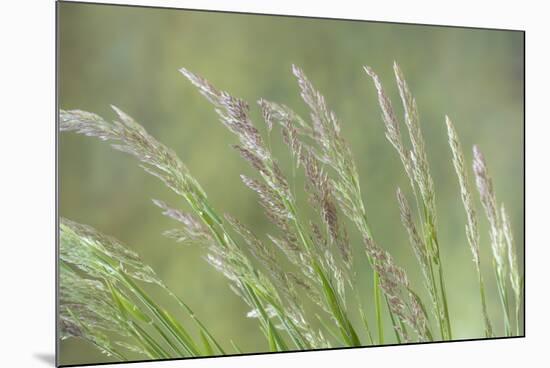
129 57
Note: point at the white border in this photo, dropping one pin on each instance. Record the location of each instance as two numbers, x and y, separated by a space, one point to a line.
27 184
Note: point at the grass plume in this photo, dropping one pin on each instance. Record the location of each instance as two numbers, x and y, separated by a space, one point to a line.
472 232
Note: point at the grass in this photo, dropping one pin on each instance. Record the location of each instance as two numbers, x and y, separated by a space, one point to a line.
103 301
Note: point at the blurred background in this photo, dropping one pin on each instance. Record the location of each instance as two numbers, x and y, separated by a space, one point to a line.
129 57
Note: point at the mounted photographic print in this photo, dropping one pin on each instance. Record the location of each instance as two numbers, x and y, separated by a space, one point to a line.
233 183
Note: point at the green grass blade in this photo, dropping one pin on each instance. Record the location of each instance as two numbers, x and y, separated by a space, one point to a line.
335 335
292 330
207 347
236 347
127 307
366 324
379 321
174 327
346 328
168 340
161 353
201 326
273 335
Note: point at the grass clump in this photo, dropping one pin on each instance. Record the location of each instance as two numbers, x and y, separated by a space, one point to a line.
102 302
311 305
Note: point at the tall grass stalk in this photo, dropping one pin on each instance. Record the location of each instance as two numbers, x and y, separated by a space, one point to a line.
472 232
504 258
282 207
415 163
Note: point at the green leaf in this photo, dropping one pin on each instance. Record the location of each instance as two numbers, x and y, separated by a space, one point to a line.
127 307
207 347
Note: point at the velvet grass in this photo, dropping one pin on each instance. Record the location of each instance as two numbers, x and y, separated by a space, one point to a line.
314 301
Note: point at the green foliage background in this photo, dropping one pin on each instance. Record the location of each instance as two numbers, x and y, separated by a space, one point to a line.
129 57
